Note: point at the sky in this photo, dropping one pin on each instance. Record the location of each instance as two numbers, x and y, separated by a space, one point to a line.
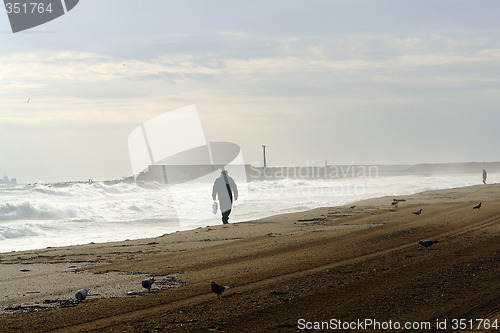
363 82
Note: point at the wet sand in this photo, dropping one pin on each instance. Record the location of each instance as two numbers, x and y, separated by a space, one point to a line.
284 272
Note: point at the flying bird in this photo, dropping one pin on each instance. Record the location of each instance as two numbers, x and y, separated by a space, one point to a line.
418 212
477 206
217 288
147 283
82 294
427 243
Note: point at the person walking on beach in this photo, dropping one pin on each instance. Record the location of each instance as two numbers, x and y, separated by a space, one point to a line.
226 190
485 175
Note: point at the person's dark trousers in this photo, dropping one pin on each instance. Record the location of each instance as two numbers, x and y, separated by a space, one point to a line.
225 216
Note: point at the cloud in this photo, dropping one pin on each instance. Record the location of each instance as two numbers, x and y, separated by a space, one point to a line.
284 57
11 86
294 73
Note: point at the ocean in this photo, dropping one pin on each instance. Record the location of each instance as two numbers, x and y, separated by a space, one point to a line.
37 216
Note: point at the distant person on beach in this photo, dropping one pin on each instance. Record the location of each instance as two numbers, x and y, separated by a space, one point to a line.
225 189
485 175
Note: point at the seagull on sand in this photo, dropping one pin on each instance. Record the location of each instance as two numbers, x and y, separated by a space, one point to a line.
82 294
418 212
396 201
427 243
27 101
147 283
217 288
477 206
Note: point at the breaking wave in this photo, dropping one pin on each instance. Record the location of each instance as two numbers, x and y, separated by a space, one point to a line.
88 190
28 211
9 232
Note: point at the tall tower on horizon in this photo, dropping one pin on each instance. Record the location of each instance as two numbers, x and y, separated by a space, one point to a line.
264 152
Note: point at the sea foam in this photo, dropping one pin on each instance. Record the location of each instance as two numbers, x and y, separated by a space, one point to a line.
40 215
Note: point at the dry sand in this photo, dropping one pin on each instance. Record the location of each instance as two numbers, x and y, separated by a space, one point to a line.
323 264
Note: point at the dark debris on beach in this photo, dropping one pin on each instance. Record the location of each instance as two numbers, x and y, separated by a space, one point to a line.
46 305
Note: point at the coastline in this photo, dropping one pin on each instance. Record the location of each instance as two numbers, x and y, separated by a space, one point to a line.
319 264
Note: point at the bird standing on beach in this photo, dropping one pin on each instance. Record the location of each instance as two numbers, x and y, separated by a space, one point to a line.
395 202
82 294
418 212
147 283
477 206
217 288
399 200
427 243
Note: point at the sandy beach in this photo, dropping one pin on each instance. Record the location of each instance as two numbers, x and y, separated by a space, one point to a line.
285 272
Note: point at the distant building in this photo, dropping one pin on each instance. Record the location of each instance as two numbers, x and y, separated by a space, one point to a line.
7 181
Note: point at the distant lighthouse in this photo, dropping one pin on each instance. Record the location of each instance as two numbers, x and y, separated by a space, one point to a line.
264 152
